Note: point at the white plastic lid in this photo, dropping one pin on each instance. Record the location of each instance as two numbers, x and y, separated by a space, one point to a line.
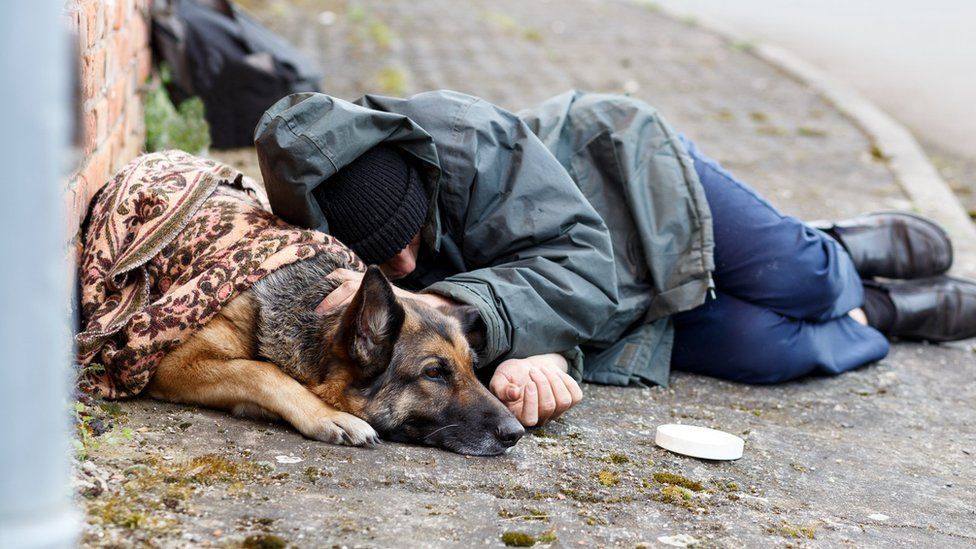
699 442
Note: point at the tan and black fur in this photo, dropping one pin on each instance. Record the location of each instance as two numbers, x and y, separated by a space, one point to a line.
381 366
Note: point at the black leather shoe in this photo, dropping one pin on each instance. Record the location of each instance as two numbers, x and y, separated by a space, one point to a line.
893 245
934 309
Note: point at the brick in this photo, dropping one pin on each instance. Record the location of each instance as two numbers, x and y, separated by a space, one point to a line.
112 60
138 144
69 17
120 14
93 73
133 114
95 173
108 16
137 139
116 102
144 66
90 139
136 38
101 62
137 132
120 42
87 78
80 191
77 205
101 112
142 7
79 202
131 149
126 148
71 206
94 11
120 58
115 60
139 27
118 143
81 25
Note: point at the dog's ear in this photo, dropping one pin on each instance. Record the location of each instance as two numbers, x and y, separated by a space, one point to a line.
373 321
471 323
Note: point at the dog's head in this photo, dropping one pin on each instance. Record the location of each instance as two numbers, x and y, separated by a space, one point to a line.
414 369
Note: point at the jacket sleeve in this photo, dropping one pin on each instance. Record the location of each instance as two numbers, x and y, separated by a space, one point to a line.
539 257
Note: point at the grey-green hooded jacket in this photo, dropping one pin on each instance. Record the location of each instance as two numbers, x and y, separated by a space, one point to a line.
577 225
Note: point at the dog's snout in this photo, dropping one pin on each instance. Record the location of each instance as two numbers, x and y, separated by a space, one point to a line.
509 431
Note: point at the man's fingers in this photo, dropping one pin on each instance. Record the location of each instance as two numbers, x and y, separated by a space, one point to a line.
559 390
547 401
560 393
573 387
515 407
337 297
511 396
343 293
505 391
497 384
530 405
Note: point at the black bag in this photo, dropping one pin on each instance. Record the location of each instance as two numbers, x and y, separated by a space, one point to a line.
237 67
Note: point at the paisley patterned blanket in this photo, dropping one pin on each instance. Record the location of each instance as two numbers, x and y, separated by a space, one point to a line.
169 241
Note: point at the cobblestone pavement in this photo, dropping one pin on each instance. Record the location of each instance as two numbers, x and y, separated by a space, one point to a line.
878 457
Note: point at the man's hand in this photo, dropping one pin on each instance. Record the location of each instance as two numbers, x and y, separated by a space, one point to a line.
351 281
536 389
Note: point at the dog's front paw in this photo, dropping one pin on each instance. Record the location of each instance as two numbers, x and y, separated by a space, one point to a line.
343 428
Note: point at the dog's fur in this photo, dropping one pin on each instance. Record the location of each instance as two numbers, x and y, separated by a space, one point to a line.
379 366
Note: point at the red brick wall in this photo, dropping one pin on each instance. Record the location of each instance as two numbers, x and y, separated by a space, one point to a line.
114 62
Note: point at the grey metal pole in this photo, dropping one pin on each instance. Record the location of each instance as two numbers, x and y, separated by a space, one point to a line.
35 496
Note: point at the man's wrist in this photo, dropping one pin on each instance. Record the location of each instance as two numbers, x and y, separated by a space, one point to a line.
554 360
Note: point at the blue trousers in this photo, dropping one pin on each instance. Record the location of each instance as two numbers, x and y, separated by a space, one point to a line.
783 293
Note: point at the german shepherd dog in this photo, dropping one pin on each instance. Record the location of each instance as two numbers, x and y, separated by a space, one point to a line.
380 366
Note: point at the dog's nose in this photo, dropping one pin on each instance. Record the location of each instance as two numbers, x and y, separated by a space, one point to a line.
509 431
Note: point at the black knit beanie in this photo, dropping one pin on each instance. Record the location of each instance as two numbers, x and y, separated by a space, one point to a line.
375 205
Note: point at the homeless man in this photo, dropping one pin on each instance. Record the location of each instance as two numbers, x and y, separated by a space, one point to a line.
599 244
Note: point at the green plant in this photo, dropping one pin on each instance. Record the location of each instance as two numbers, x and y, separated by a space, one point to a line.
174 127
678 480
518 539
96 422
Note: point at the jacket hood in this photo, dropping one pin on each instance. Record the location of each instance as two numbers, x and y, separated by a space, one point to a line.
305 138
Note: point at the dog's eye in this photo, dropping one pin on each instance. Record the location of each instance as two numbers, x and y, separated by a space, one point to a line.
434 373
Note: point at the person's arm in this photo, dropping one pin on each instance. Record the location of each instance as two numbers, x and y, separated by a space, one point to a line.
541 269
